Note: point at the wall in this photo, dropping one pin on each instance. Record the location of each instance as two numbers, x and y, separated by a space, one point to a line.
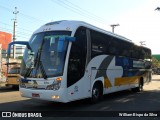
5 39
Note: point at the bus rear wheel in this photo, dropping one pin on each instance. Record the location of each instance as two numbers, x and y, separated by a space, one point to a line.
140 86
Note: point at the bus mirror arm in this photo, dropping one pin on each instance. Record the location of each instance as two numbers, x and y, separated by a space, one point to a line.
17 42
61 42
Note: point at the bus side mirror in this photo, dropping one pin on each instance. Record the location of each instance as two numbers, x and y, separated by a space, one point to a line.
61 42
17 42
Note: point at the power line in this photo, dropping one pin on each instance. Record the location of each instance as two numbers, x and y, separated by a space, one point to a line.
75 10
18 36
10 10
33 18
19 33
7 30
24 15
27 33
85 11
27 38
78 11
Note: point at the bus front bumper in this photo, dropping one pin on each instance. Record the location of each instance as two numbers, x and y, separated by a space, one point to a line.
49 95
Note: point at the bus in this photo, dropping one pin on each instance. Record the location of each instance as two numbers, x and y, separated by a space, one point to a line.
13 74
68 60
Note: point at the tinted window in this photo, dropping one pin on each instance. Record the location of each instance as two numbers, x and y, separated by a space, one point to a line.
100 43
147 53
125 48
105 44
14 71
114 46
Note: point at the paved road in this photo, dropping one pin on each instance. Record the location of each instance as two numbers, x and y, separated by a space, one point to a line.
148 100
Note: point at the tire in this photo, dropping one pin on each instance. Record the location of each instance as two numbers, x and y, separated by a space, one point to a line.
15 87
96 93
139 88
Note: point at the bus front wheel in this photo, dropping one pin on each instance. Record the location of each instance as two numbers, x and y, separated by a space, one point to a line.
97 93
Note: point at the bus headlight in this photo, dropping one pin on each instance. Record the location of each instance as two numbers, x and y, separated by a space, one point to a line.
17 80
54 86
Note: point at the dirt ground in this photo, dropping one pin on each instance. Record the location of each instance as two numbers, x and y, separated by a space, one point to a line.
154 82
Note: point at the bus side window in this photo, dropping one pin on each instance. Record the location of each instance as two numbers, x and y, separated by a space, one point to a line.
126 49
136 52
77 58
114 47
99 43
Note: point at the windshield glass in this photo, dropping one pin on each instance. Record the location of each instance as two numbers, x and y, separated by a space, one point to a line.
14 71
44 61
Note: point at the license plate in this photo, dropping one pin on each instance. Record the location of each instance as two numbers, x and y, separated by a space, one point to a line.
35 95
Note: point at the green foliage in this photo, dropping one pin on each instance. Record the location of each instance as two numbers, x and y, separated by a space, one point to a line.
20 57
155 63
156 56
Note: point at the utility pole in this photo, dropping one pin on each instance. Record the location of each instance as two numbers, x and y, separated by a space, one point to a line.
142 43
158 9
113 26
14 30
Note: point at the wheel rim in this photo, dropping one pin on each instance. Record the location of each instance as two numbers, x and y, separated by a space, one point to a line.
95 93
140 87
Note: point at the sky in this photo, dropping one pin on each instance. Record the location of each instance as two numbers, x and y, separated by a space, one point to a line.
137 19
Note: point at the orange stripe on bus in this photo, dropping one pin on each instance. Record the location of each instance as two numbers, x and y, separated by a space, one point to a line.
107 83
126 80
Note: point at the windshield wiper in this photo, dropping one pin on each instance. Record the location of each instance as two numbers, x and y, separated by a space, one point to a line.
28 71
38 63
30 67
42 70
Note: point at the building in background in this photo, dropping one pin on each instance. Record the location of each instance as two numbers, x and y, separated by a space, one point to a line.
19 51
5 39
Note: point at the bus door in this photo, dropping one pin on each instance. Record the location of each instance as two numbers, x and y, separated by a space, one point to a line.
76 81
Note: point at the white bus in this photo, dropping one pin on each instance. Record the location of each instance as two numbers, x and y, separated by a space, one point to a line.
70 60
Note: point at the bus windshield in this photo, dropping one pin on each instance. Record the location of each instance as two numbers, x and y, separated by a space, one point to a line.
44 61
14 71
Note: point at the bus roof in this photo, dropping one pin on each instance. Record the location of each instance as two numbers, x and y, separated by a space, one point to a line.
72 25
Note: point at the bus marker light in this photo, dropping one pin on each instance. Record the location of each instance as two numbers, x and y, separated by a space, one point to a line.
55 97
59 79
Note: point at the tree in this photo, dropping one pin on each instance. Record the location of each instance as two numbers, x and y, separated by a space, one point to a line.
155 63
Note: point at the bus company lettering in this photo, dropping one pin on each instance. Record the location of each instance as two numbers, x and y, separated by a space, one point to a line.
138 64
